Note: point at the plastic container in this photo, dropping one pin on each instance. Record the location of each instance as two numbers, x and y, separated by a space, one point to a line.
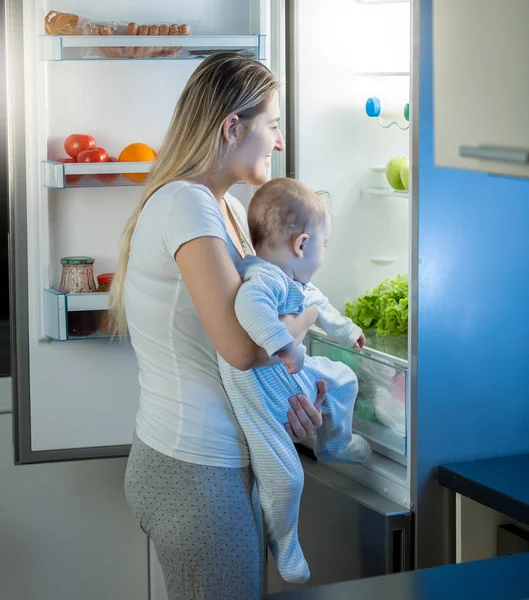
104 281
389 112
78 278
378 179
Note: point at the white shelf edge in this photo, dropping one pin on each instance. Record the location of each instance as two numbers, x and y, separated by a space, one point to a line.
52 45
390 193
384 260
368 2
384 74
102 168
113 41
53 173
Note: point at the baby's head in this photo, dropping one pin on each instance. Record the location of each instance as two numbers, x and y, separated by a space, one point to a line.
290 226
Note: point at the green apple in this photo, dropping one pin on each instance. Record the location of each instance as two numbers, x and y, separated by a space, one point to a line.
393 173
405 174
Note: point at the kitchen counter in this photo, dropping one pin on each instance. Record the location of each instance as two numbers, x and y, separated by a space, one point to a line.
499 483
502 578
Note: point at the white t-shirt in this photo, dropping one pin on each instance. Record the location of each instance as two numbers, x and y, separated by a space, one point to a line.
184 411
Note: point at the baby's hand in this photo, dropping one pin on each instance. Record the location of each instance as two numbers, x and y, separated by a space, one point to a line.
292 357
360 342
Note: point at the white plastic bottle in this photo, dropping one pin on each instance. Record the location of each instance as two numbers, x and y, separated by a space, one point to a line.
389 112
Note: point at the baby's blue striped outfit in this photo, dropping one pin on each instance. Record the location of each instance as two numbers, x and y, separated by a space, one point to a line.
260 401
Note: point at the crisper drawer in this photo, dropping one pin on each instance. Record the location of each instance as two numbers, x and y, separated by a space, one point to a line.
380 410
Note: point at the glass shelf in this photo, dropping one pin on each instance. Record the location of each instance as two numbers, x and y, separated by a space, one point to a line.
59 175
148 47
88 308
388 192
380 409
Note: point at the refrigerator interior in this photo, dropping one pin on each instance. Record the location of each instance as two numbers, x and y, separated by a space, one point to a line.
84 393
345 54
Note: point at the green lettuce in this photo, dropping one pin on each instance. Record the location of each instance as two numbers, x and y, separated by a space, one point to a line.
384 309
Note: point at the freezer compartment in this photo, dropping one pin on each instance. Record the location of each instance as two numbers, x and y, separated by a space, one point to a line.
346 531
148 47
75 316
380 410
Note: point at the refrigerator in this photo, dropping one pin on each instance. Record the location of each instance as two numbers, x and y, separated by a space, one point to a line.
75 397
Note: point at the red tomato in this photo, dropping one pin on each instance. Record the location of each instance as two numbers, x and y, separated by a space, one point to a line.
77 142
70 179
92 155
108 178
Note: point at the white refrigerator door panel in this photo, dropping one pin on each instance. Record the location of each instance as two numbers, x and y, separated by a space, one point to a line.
84 394
341 51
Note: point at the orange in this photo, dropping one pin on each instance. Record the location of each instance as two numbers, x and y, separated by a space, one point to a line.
137 152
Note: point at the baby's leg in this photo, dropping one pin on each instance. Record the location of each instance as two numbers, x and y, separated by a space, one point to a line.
261 411
280 485
335 440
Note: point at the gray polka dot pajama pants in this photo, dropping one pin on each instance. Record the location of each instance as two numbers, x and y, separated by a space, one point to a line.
205 524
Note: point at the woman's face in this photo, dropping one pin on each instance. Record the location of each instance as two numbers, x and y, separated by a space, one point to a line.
251 157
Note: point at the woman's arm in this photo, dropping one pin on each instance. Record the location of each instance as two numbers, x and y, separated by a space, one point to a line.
213 282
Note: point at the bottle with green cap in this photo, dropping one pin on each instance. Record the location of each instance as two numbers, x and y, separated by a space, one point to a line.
389 112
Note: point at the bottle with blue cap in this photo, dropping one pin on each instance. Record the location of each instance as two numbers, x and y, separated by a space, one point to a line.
389 112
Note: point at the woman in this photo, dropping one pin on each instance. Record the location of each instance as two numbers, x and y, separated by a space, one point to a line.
188 477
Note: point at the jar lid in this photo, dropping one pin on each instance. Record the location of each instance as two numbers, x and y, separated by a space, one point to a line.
77 260
105 278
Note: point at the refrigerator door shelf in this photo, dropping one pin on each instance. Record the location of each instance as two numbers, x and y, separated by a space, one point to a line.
58 306
380 409
389 192
147 47
372 2
60 175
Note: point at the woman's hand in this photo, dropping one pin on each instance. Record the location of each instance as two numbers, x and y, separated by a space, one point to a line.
304 418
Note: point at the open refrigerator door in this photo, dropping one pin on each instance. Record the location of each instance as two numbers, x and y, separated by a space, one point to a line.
110 74
349 90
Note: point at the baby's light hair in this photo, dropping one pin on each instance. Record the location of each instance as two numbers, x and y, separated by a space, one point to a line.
282 207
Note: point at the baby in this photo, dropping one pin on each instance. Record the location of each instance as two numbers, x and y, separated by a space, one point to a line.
289 227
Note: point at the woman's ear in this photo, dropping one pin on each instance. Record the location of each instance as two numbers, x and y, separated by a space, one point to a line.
230 129
299 243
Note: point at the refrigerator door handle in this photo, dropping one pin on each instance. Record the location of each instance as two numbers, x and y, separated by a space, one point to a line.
508 155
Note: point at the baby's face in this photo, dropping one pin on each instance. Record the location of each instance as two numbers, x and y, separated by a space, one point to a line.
314 252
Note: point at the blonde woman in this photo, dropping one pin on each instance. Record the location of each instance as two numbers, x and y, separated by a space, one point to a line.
189 480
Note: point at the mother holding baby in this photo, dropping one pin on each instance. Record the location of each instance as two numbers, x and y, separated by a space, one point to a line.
189 480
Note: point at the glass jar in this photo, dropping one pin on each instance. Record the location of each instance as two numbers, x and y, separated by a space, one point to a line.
104 281
78 278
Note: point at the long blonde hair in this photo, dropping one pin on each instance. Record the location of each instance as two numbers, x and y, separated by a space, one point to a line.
224 84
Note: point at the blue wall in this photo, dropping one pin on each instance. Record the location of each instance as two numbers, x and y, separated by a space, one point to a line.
473 312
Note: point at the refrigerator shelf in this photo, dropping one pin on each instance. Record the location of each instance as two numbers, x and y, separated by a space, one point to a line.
57 307
59 175
388 192
380 409
147 47
384 74
368 2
